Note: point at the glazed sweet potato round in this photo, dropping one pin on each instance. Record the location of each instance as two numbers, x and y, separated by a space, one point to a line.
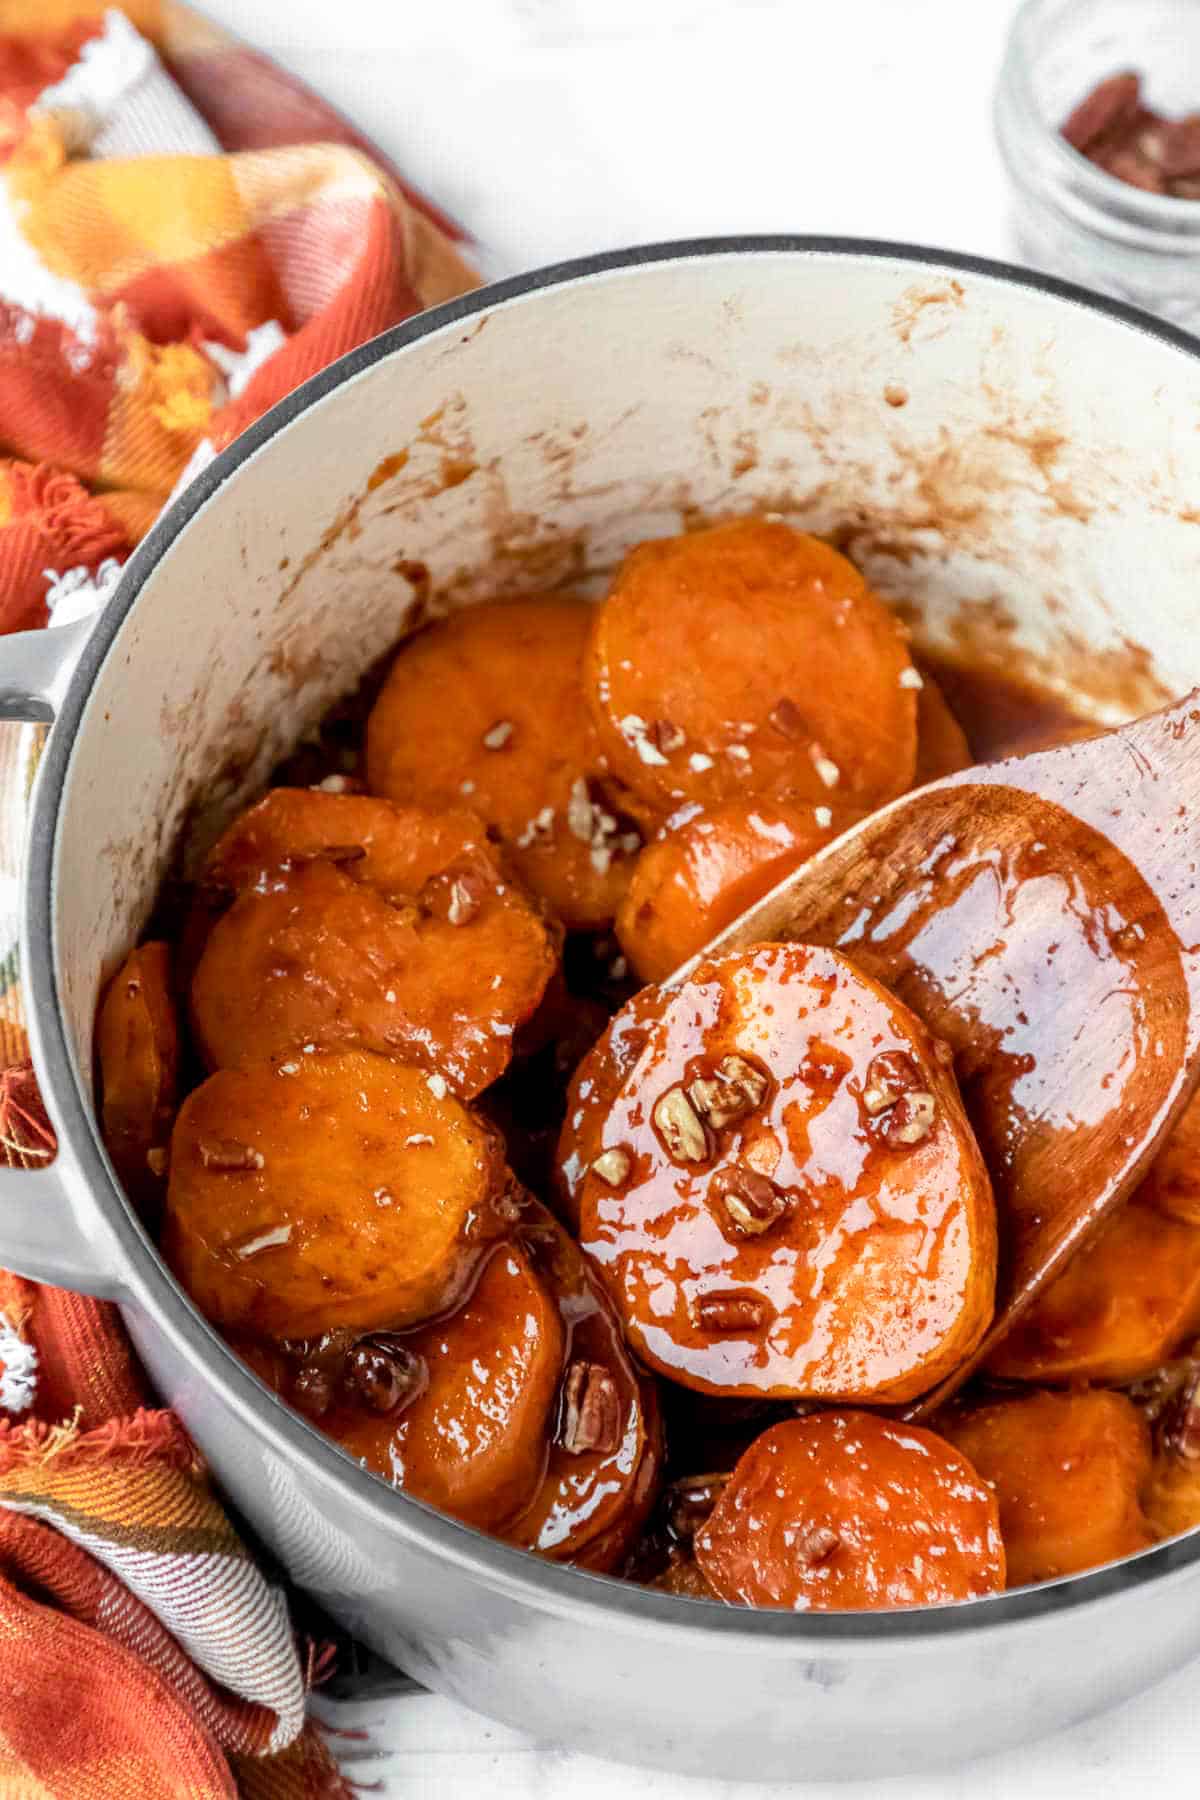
137 1049
1125 1303
697 877
684 1576
847 1511
329 1191
942 747
1173 1184
776 1178
358 922
749 659
520 1412
486 709
393 849
1171 1492
1067 1471
475 1438
594 1087
605 1458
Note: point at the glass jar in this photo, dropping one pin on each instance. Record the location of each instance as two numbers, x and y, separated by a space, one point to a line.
1070 217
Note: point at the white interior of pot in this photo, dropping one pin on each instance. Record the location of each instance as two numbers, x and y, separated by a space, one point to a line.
1018 473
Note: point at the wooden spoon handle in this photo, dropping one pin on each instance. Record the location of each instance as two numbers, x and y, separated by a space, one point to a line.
1042 915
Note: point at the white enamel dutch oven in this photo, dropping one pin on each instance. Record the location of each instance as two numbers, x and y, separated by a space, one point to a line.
1016 463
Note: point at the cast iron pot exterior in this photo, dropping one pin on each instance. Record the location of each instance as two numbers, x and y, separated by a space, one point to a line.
1006 456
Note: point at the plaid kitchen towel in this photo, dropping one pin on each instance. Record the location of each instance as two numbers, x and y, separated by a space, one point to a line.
185 234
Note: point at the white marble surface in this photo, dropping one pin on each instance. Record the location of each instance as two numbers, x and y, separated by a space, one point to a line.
554 127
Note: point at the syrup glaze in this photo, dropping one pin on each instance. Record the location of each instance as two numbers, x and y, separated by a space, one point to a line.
796 1250
1027 951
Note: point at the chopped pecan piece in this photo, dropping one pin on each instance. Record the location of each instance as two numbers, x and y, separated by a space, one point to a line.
689 1502
729 1312
911 1120
580 811
464 900
228 1157
382 1373
679 1127
818 1545
751 1202
1180 1428
612 1166
455 896
1113 101
889 1075
591 1410
667 736
787 718
734 1090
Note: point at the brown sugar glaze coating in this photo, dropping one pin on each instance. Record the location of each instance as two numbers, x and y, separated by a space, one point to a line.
605 1460
517 744
329 1191
1067 1471
469 1351
1124 1305
468 1432
690 709
942 747
700 874
770 1216
1173 1184
520 1411
706 867
357 922
847 1511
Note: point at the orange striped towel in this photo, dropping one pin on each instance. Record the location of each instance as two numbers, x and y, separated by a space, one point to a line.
138 269
143 1654
185 234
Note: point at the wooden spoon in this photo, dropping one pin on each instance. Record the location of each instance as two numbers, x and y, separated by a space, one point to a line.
1042 915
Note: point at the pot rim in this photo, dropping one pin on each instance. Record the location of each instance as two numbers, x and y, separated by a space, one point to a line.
144 1276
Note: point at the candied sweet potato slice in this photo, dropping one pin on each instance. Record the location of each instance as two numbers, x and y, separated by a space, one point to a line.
1173 1184
1067 1471
421 947
749 659
610 1550
605 1457
683 1575
329 1191
776 1178
594 1087
394 849
474 1439
486 708
695 879
942 747
844 1510
1121 1307
1171 1493
137 1048
1171 1497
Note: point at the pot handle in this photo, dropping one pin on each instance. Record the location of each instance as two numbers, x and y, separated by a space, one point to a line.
35 667
41 1236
